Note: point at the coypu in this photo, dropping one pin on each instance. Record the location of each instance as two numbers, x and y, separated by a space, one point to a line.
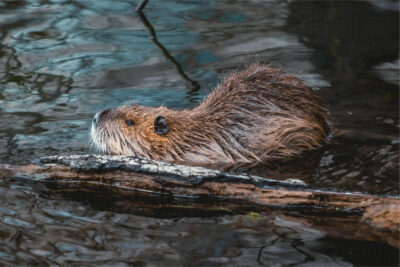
258 115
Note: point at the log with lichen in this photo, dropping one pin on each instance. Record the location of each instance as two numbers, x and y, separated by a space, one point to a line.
132 174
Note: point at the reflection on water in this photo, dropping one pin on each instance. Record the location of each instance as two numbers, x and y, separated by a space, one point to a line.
348 42
62 61
55 231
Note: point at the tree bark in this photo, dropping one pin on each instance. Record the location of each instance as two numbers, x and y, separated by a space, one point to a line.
164 179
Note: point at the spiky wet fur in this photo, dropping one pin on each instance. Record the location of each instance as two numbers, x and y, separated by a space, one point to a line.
252 117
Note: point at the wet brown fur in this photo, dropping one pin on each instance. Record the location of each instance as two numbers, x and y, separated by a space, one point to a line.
252 117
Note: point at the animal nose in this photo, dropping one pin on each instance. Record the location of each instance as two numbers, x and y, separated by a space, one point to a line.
100 115
96 118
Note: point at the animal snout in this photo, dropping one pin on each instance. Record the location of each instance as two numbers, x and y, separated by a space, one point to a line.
99 116
96 118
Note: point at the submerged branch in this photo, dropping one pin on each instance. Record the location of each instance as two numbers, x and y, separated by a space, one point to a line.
141 5
194 85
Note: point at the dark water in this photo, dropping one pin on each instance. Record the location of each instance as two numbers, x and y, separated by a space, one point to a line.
62 61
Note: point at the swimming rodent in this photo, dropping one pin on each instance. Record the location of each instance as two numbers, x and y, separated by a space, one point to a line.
254 116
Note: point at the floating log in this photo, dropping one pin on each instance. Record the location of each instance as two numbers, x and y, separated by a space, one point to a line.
150 177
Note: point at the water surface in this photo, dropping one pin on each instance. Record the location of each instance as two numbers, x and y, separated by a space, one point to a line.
63 61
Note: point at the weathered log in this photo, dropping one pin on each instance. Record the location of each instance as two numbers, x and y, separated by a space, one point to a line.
165 179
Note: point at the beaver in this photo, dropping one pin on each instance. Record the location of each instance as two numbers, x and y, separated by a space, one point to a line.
254 116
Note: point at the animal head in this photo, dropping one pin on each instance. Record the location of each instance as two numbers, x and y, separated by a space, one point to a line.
132 130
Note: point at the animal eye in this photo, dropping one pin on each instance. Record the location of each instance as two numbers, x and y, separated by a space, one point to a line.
129 122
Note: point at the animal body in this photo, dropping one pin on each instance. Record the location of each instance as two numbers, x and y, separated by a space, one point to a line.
254 116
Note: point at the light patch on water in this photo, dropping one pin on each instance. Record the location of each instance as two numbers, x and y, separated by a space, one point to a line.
389 71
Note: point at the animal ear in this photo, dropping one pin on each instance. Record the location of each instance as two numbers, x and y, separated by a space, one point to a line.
160 125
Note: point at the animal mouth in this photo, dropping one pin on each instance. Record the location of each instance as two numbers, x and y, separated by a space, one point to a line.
106 140
98 140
